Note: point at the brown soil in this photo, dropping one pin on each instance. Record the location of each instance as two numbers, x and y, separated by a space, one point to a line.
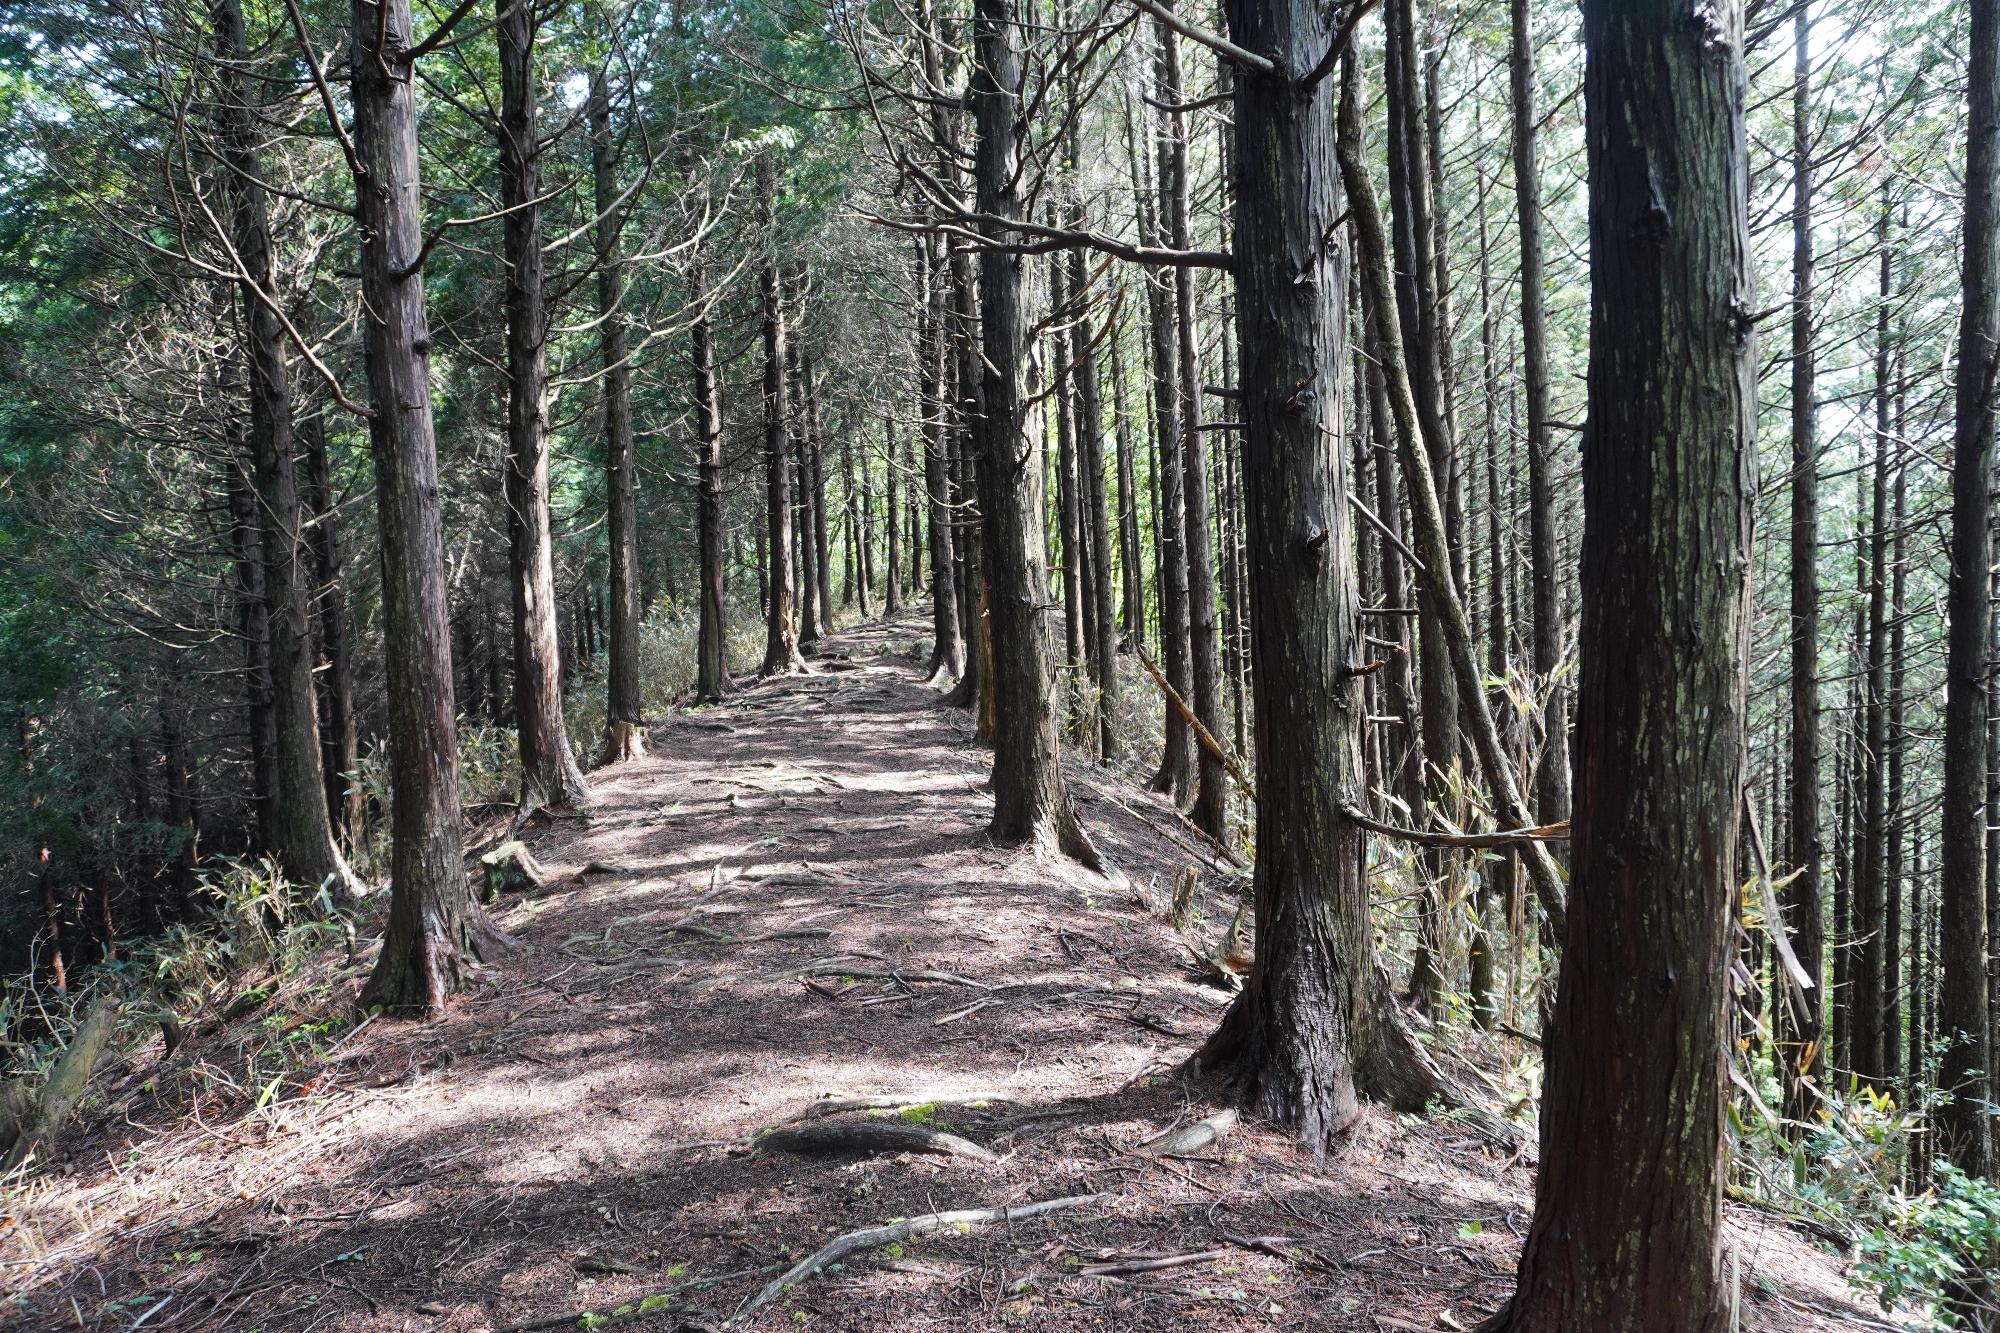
575 1134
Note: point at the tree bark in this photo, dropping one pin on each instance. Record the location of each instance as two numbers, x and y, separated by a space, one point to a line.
1315 1027
297 828
1627 1234
435 931
712 644
549 773
624 714
947 643
340 743
1802 1035
1030 798
781 639
1552 776
1962 1014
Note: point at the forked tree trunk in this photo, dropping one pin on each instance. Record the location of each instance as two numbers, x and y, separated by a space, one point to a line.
1963 1017
1627 1234
549 773
781 639
436 931
712 647
624 714
1030 798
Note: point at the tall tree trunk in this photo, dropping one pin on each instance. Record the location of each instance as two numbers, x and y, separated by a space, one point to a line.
1963 1013
1096 516
1075 567
1030 798
1210 812
1802 1035
1552 773
435 930
624 714
892 589
1315 1027
813 443
947 643
1176 774
1131 567
1419 313
1873 984
781 638
549 773
712 643
1427 514
1627 1233
297 829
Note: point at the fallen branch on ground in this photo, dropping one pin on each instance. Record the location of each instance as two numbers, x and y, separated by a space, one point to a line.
874 1238
894 1102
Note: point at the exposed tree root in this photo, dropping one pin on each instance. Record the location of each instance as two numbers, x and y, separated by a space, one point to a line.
874 1238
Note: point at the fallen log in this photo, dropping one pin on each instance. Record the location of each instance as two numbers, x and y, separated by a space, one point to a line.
29 1118
826 1138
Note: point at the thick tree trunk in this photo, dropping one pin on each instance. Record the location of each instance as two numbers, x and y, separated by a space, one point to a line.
1131 567
624 714
435 931
1315 1026
1030 798
1802 1036
712 643
781 640
813 458
1627 1234
549 773
1963 1014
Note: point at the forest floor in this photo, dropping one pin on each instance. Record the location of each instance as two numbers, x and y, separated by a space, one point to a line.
791 900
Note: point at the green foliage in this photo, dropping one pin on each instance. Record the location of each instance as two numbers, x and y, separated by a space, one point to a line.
1937 1253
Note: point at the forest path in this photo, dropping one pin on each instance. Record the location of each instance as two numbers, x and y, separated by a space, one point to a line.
788 868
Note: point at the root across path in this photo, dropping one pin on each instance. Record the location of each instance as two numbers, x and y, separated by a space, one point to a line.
791 1044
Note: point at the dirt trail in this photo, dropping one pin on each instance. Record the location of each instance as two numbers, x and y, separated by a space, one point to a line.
793 899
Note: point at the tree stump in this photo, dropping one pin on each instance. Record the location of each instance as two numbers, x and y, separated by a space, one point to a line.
511 868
